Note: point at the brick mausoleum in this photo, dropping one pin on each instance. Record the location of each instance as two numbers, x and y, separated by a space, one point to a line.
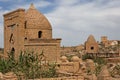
29 30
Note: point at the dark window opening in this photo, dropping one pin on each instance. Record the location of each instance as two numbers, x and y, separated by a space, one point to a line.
11 25
25 38
39 34
12 50
58 65
92 48
12 53
11 39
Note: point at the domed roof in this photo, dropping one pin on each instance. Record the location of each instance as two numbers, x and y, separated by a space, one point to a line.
63 58
75 58
91 39
34 19
89 61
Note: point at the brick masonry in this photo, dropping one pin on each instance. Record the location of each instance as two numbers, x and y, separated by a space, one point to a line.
29 30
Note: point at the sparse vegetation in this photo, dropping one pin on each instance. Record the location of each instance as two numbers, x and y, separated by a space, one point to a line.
86 56
99 63
29 64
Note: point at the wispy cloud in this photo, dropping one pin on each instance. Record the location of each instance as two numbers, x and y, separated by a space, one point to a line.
38 4
75 20
98 17
1 29
22 4
4 0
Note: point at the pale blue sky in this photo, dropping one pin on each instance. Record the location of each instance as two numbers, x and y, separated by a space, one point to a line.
73 20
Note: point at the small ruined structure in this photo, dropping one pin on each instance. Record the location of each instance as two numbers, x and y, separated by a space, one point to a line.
76 68
73 68
64 59
104 49
91 46
104 74
90 64
29 30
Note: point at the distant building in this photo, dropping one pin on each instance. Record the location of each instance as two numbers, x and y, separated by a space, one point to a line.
29 30
105 49
91 46
106 43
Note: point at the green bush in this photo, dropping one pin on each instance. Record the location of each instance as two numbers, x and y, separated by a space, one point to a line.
86 56
100 61
29 64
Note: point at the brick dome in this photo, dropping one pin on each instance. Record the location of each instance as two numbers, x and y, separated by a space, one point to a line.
89 61
91 39
64 59
75 59
35 19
